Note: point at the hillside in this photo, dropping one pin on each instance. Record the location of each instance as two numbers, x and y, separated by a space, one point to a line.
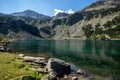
91 24
17 29
100 20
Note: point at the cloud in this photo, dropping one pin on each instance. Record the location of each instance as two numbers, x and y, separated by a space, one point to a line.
58 11
70 11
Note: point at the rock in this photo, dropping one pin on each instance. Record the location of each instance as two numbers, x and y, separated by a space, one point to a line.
28 78
105 37
3 48
4 43
59 66
39 60
21 55
52 75
74 78
81 72
66 77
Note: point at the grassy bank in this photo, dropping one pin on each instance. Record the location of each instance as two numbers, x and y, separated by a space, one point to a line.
12 66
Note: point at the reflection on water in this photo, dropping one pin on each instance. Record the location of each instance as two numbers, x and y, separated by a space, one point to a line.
107 51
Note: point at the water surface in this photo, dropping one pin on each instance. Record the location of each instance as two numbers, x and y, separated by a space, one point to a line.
96 53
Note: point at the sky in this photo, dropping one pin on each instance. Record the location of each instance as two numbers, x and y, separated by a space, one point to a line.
47 7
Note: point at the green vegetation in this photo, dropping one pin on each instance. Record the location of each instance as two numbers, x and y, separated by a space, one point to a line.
88 30
3 38
11 66
115 21
112 30
101 13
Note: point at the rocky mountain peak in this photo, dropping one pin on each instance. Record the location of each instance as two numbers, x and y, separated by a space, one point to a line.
100 4
30 13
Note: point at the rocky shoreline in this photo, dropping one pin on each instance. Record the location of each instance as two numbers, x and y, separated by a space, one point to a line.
56 69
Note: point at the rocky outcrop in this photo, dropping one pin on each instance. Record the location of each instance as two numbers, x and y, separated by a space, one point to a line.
59 66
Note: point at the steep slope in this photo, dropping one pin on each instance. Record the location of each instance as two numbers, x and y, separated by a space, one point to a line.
100 4
1 14
61 15
30 13
17 29
102 23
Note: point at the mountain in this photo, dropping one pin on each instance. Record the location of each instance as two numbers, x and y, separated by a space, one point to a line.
61 15
30 13
99 20
1 14
100 4
18 29
96 21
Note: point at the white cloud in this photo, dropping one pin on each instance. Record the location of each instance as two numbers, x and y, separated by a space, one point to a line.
58 11
70 11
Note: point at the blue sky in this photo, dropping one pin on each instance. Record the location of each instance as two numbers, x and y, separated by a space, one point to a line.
46 7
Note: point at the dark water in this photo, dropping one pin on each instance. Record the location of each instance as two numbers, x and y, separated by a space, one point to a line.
76 51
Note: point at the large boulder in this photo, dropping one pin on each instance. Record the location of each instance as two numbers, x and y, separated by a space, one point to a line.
59 66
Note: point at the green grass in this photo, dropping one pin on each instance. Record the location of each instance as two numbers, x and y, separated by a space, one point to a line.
11 66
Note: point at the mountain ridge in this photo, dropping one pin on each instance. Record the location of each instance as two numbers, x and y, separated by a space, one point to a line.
89 23
30 13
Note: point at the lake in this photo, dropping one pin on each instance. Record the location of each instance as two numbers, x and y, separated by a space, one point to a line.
87 54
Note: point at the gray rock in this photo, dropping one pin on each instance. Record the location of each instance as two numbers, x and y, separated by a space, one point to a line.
39 60
59 66
3 48
74 78
52 75
81 72
21 55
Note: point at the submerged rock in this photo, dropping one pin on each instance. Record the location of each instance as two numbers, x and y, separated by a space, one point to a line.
59 66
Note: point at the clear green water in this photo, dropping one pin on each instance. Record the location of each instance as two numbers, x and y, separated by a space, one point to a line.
91 55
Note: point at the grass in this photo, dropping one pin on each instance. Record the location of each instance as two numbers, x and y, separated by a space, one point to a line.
11 66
